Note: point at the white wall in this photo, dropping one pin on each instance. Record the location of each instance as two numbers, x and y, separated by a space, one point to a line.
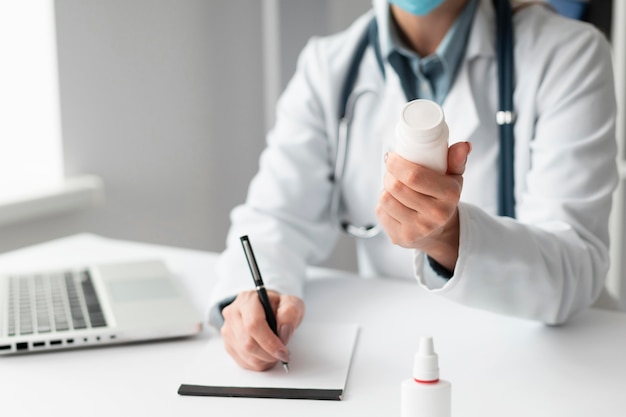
164 100
150 92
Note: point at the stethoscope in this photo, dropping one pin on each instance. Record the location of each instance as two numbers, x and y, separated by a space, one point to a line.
505 117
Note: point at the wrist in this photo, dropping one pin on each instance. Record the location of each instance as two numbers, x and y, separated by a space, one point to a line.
444 249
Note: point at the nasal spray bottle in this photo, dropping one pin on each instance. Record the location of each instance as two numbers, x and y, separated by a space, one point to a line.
425 395
422 135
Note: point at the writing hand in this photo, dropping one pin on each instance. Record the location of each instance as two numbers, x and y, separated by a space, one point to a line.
247 336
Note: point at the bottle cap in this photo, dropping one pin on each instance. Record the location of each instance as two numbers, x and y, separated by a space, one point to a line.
423 118
426 364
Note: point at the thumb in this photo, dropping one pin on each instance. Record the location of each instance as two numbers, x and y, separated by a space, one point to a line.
289 314
457 157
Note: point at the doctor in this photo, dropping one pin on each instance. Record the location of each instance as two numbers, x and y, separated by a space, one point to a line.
546 264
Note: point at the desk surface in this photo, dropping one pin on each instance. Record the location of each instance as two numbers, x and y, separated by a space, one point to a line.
498 366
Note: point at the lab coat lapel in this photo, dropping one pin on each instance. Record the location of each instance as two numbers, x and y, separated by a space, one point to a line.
390 106
459 107
389 109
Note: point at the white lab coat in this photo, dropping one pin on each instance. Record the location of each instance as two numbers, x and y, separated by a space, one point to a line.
546 265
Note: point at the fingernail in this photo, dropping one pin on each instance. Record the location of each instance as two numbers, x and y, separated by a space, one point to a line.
285 332
470 147
385 156
282 355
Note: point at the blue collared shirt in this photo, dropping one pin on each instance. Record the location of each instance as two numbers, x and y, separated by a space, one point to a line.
435 73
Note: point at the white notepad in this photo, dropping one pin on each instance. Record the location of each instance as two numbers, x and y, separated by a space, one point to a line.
320 356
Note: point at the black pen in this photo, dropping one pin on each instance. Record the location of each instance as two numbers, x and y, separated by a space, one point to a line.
260 288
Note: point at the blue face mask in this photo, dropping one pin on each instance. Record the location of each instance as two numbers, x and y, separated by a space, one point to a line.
417 7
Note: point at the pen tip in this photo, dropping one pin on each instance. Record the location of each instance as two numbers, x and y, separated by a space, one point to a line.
286 367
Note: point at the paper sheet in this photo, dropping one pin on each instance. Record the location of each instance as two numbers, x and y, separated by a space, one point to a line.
320 356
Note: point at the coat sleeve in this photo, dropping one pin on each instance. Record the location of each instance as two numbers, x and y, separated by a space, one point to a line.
552 261
286 213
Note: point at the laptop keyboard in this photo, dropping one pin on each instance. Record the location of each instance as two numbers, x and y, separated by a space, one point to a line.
55 302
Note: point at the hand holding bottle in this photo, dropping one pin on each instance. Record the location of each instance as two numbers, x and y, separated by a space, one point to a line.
418 207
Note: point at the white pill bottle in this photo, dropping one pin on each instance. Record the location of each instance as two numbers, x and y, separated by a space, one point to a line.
425 395
422 135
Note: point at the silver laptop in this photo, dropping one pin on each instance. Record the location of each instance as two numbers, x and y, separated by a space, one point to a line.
93 306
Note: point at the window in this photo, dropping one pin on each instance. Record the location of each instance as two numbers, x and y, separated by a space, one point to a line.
30 127
32 182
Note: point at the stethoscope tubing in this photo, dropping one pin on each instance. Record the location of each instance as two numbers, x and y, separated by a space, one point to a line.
365 231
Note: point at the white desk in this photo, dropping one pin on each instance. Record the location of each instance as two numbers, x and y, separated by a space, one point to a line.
498 366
